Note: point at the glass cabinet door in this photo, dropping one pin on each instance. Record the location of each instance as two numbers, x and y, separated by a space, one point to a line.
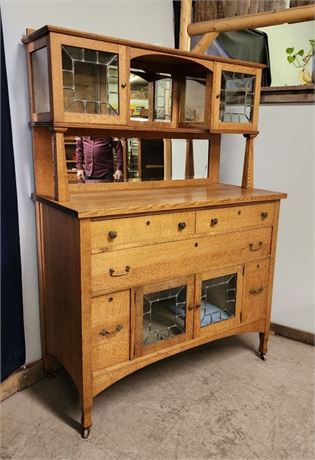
218 295
88 80
236 98
164 315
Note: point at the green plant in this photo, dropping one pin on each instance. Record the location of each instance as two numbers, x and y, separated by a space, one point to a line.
300 59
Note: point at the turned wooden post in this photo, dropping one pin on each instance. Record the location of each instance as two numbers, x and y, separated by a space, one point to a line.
189 165
248 167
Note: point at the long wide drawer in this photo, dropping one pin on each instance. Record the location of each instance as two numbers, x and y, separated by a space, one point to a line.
118 270
111 234
233 218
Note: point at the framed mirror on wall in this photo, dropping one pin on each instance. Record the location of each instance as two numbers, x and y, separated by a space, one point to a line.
138 160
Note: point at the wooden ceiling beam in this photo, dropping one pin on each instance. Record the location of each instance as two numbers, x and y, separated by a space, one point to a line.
252 21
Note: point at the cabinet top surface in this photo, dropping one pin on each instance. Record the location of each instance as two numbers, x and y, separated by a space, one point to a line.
35 34
130 202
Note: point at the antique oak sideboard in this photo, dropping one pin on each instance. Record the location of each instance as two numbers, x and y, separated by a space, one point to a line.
139 270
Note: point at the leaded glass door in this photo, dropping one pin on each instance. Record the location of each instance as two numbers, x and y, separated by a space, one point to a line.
163 314
236 98
218 299
89 80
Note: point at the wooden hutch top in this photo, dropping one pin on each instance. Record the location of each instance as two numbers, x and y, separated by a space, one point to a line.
86 84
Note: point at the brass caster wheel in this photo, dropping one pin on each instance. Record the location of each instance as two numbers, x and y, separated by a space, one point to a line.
263 356
86 433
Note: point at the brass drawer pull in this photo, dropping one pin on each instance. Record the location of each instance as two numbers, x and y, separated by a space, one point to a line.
256 291
112 235
181 225
113 274
105 333
214 222
253 248
191 307
264 215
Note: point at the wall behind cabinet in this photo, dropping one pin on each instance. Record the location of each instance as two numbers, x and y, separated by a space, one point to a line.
148 21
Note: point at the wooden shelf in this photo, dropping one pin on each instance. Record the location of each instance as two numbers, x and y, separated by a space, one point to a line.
287 95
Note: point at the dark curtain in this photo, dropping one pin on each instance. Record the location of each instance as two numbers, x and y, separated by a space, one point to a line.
12 328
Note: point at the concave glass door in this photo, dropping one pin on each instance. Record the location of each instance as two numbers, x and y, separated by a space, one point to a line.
218 299
90 81
237 97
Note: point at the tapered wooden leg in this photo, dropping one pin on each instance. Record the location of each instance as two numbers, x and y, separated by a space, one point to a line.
263 345
86 419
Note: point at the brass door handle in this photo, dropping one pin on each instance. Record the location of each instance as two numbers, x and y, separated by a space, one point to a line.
256 291
253 248
114 274
264 215
190 307
123 85
181 225
105 333
214 222
112 235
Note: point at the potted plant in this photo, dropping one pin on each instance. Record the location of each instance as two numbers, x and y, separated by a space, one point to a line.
300 60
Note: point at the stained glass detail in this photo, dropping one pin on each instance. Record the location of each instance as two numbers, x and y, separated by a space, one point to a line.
237 97
90 81
218 299
164 314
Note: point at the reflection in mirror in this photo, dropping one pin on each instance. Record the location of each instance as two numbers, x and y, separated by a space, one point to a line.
151 96
137 159
237 97
195 94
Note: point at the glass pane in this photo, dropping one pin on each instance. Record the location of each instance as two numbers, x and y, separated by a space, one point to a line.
218 299
163 99
40 81
164 314
237 97
90 81
139 96
195 95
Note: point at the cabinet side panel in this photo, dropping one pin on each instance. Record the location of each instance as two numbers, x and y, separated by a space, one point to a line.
62 304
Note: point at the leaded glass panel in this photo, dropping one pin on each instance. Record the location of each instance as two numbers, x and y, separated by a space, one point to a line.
218 299
237 97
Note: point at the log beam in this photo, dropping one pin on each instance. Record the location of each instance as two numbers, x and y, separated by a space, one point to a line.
252 21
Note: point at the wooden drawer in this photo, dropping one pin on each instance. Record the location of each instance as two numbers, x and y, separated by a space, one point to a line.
234 218
118 270
255 294
131 231
110 329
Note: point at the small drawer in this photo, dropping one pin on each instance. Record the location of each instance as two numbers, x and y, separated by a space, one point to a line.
256 283
136 266
234 218
110 330
111 234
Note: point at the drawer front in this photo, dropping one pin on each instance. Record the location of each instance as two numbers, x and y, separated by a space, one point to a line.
137 266
110 329
111 234
255 294
235 218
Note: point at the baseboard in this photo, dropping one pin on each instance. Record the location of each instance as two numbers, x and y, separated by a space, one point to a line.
294 334
22 378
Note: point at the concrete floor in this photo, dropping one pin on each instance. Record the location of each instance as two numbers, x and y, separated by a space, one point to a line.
218 401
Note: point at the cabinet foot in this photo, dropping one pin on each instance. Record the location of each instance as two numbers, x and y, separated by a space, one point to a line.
86 432
262 356
263 342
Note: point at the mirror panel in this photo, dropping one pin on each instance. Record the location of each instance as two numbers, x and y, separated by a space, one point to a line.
141 159
193 109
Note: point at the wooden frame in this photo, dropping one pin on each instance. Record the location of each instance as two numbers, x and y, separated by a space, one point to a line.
216 124
140 348
217 328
